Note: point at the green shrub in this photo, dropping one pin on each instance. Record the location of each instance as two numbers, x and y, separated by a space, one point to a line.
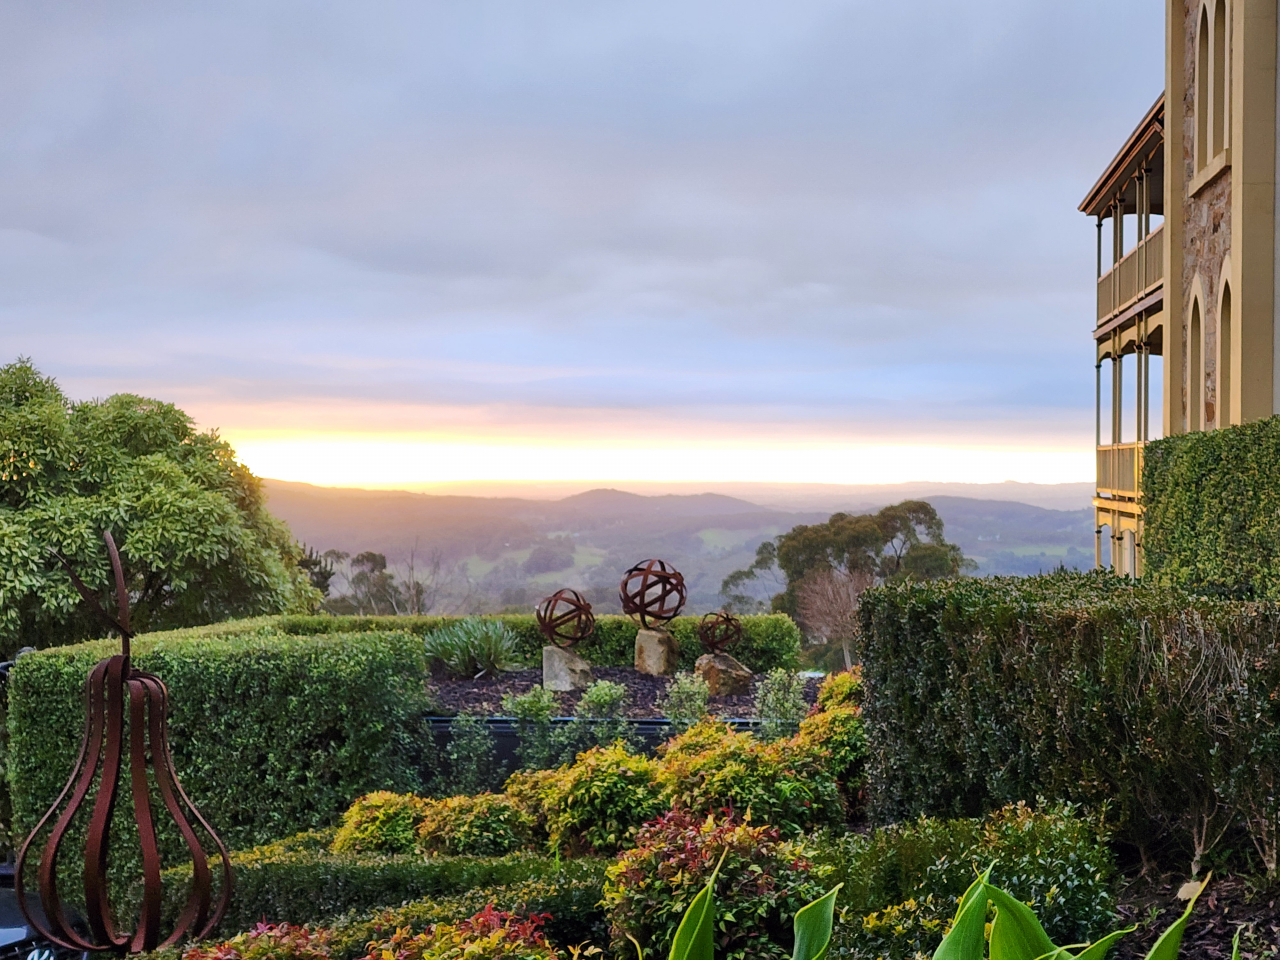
684 702
486 825
380 822
785 783
487 935
533 712
842 689
595 805
473 757
271 734
901 883
599 719
762 883
571 894
1212 510
780 704
299 881
268 942
840 733
1081 687
473 648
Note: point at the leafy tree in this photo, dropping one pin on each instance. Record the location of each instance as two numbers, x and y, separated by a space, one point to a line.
903 541
196 541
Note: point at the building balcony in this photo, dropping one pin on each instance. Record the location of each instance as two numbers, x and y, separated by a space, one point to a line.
1139 275
1120 471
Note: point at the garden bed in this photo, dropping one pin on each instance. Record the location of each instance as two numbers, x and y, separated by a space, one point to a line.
483 697
1229 903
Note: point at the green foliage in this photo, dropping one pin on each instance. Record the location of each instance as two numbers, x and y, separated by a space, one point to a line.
684 702
786 783
271 734
195 537
595 805
299 881
380 822
473 648
901 883
570 892
599 719
1212 502
473 757
268 942
533 712
780 704
762 882
842 689
487 935
840 734
486 825
904 541
769 640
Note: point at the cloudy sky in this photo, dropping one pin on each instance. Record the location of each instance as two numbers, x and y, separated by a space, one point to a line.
384 243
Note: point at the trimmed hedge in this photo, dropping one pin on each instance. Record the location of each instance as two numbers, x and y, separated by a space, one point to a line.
769 640
1212 520
271 733
1081 687
299 881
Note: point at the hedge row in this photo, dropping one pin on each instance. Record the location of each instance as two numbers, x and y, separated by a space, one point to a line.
1212 520
1080 687
768 641
299 881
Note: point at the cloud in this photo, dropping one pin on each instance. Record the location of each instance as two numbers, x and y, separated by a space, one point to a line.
810 212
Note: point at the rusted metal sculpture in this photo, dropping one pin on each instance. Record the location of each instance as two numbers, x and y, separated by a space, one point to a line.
121 701
652 591
719 631
565 618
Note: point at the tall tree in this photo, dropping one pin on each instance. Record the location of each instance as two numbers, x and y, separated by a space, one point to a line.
195 537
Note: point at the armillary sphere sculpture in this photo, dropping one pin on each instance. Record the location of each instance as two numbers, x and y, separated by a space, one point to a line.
565 618
652 590
121 701
719 631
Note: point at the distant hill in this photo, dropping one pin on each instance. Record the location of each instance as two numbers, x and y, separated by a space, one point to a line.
509 551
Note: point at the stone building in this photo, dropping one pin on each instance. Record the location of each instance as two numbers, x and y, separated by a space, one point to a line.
1187 282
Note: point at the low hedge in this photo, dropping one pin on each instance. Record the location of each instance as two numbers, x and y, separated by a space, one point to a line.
1081 687
1212 510
299 881
769 641
271 733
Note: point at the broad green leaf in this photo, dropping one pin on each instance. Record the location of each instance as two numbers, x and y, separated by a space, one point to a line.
1235 944
1170 941
813 924
1098 949
967 938
695 937
1016 934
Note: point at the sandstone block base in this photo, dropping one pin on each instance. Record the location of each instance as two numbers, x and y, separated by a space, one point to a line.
725 676
564 671
657 653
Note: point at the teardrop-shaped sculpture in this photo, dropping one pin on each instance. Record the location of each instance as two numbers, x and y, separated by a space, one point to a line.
118 700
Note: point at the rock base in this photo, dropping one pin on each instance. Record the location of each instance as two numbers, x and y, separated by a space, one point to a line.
657 653
725 676
564 671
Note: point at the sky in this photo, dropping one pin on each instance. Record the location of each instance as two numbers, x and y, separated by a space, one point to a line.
383 244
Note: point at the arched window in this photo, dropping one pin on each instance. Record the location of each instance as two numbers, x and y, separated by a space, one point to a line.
1225 372
1202 90
1219 98
1195 371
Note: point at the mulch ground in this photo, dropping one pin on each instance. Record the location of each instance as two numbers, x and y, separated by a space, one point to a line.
484 697
1227 905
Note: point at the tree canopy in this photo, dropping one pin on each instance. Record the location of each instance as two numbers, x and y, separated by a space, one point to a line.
901 541
196 541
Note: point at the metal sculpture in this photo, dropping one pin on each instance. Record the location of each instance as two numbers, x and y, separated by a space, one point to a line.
121 701
719 631
652 590
565 618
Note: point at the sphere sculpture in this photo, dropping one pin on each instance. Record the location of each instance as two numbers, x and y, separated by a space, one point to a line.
565 618
120 701
719 631
652 591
